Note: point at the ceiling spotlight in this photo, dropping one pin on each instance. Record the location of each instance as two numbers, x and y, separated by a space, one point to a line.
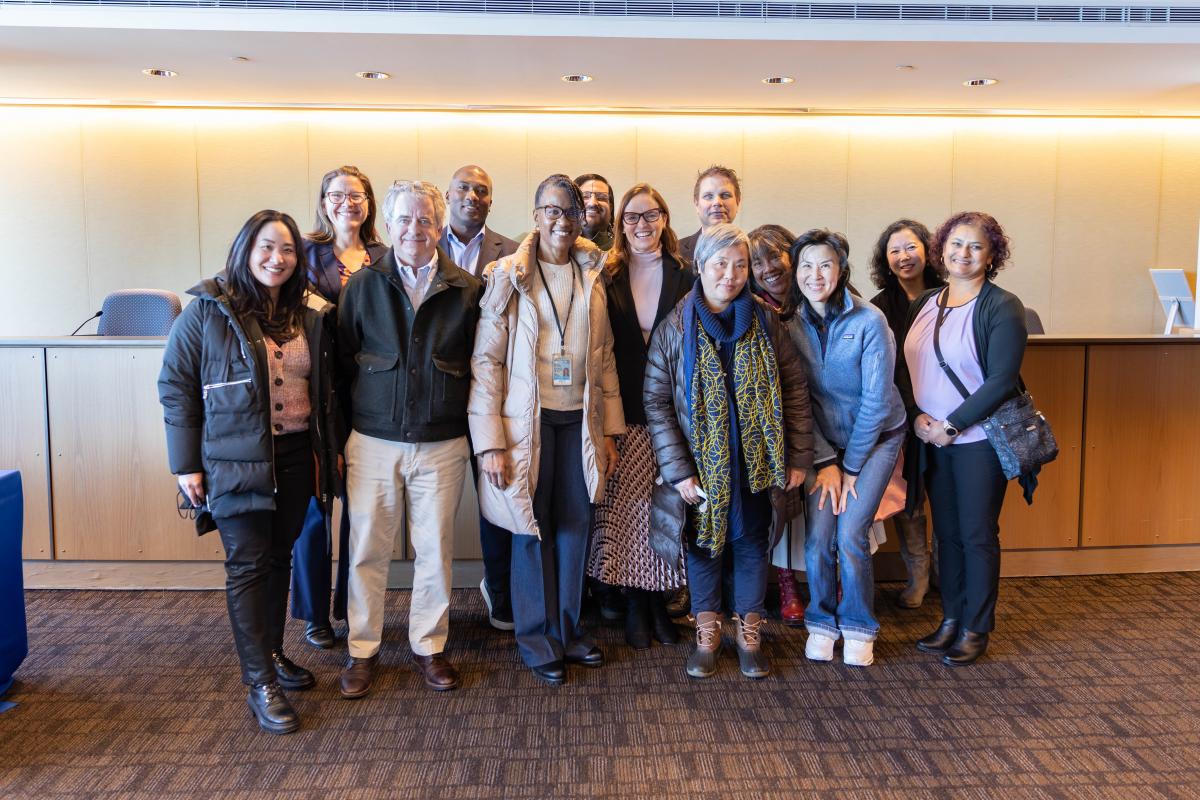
373 76
905 68
239 59
776 80
981 82
577 78
155 72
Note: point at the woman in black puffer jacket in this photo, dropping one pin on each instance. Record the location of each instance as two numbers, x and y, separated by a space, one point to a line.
247 394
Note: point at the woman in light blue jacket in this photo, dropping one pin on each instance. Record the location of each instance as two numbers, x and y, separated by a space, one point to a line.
858 426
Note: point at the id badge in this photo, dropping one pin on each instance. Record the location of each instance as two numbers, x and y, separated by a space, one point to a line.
560 369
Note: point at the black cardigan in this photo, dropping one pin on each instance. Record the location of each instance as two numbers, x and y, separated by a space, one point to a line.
629 348
1000 337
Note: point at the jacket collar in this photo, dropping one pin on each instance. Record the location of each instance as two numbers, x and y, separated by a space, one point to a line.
584 254
447 273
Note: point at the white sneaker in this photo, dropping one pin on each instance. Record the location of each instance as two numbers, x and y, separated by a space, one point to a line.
858 654
819 647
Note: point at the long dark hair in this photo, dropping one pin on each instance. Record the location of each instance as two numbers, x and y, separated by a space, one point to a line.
248 297
882 275
322 232
838 243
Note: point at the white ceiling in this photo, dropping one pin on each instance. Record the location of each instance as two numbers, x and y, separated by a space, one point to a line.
516 61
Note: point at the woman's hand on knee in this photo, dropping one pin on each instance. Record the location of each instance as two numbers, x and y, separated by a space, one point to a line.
848 491
829 484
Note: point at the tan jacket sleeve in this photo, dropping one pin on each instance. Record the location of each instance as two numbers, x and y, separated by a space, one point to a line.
610 386
489 369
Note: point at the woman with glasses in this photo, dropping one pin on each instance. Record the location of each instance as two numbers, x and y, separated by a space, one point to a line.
646 279
544 412
728 413
342 242
247 394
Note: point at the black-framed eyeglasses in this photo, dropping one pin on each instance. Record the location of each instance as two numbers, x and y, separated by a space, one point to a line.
632 217
602 197
184 507
555 212
357 198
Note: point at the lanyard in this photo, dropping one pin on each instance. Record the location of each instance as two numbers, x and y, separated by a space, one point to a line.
562 327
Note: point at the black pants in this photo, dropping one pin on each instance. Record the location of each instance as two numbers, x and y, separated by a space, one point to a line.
547 574
258 559
966 491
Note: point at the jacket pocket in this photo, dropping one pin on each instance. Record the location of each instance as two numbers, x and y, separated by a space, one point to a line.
228 404
451 387
374 393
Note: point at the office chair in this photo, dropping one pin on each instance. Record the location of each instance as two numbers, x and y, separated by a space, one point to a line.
139 312
1033 323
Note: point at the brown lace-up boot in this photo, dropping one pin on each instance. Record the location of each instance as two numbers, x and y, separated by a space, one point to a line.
703 662
751 658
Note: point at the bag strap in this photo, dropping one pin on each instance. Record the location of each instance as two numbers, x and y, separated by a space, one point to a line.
942 297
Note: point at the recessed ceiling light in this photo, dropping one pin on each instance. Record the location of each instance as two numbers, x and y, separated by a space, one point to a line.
155 72
981 82
577 78
373 76
905 68
239 59
776 80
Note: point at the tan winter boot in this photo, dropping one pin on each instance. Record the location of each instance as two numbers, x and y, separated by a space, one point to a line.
751 657
703 662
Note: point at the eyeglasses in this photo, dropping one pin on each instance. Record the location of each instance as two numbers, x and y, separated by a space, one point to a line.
354 197
554 212
632 217
184 507
601 197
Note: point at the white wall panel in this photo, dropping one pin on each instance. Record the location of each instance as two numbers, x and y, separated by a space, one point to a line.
671 152
575 146
1105 231
1010 175
246 163
42 222
142 223
798 176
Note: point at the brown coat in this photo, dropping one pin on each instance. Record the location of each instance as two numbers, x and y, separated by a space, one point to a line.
503 411
669 420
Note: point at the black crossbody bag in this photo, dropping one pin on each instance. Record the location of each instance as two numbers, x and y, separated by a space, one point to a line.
1017 431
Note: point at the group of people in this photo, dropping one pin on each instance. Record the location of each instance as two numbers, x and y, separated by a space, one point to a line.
644 416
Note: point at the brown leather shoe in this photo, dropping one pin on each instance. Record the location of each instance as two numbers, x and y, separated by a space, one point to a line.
355 680
439 674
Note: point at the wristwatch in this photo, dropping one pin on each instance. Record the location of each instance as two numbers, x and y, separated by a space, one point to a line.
951 431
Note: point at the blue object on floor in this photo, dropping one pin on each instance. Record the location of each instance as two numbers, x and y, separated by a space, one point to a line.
5 705
14 640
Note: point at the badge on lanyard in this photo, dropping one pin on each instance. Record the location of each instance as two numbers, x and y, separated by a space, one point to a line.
560 365
560 369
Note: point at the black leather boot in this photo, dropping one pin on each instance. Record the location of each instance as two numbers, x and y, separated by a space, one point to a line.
271 708
940 640
637 619
289 674
966 649
660 620
320 636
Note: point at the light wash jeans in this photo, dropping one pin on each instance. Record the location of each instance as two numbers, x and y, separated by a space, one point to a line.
841 545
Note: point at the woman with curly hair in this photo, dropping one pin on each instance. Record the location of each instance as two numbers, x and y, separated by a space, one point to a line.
902 270
963 354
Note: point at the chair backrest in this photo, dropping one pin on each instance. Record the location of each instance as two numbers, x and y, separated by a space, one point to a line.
139 312
1033 323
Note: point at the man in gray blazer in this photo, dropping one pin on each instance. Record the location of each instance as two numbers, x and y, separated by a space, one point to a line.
466 237
472 246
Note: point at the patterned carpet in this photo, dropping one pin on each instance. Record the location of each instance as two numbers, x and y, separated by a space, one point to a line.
1089 691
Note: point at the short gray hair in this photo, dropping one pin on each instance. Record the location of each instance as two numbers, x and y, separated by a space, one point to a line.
717 238
422 188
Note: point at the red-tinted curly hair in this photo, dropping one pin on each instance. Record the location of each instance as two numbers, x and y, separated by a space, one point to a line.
992 231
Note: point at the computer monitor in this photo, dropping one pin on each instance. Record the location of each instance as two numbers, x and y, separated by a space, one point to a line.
1177 298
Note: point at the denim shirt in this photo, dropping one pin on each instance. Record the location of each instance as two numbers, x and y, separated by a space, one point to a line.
850 362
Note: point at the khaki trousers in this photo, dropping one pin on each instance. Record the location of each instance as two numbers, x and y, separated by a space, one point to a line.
385 483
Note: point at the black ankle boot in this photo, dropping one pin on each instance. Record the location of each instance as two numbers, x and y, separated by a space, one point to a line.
664 628
291 675
637 620
940 640
966 649
320 636
271 708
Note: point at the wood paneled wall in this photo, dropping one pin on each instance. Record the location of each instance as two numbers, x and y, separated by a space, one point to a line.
100 200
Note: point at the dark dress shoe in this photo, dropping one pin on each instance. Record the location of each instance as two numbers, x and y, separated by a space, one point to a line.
355 680
271 708
679 602
940 640
612 603
637 620
291 675
592 657
664 629
552 673
439 674
319 636
966 649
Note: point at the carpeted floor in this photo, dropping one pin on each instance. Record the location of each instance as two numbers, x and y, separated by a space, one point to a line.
1090 690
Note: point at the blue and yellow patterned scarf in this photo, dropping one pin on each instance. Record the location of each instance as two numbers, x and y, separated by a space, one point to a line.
758 403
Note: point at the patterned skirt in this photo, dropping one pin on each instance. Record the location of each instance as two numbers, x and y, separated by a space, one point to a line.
621 554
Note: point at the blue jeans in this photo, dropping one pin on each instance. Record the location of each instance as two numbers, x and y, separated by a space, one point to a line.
840 544
750 557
